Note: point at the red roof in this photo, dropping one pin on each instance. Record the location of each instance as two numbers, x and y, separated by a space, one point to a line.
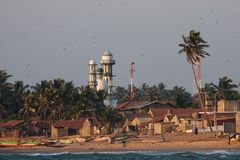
160 113
131 105
220 116
179 111
10 124
73 124
132 116
184 116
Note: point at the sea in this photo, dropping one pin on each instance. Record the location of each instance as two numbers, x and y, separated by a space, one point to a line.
127 155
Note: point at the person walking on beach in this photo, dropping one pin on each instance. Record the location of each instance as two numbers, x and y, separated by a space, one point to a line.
229 138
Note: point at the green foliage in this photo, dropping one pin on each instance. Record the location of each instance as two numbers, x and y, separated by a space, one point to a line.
110 118
193 47
225 89
179 95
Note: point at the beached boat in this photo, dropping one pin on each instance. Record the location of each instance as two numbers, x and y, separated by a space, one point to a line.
121 137
80 140
56 145
101 139
19 144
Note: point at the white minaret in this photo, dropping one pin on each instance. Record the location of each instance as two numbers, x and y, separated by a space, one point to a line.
107 62
92 74
101 84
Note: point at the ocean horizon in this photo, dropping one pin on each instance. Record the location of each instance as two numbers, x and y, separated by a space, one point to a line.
127 155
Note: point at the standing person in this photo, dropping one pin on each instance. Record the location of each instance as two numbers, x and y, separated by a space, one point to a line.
229 138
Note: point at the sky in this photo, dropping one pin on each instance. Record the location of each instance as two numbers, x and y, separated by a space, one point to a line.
45 40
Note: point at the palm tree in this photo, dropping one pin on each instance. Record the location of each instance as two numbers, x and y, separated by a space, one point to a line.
58 90
43 96
121 94
5 93
110 118
193 48
19 93
181 97
27 110
226 89
71 99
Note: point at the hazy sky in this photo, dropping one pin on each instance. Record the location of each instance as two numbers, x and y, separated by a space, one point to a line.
47 39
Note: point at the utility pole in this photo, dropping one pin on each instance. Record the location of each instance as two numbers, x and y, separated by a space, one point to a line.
131 81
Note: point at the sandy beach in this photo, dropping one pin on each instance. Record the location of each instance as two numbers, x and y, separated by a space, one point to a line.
174 142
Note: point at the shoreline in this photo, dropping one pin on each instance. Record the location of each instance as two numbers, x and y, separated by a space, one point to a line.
174 142
131 147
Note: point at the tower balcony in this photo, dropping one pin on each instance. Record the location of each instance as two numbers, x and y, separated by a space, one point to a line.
107 62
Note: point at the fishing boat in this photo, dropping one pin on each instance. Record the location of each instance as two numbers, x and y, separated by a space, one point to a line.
54 144
101 139
19 144
121 137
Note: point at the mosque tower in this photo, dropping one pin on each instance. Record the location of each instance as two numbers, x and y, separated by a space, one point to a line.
92 74
107 62
101 84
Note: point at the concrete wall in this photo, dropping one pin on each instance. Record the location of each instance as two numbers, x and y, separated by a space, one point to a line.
85 130
175 120
95 130
183 126
200 124
59 132
166 119
135 122
238 122
224 106
11 133
162 127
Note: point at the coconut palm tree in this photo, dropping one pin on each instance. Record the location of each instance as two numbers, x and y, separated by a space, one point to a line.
19 93
43 98
193 47
58 89
5 93
121 94
226 89
110 118
27 109
181 97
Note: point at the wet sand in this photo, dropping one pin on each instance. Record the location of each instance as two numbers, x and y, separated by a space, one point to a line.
174 142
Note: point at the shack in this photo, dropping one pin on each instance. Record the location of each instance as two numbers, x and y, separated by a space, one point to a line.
63 128
12 129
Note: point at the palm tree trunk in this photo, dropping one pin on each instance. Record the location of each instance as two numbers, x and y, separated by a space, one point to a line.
200 98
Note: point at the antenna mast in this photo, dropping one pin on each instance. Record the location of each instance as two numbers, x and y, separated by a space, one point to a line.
131 81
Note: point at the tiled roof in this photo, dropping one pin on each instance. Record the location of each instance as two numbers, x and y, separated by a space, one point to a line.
129 105
160 113
10 124
184 116
144 119
220 116
179 111
72 124
131 116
